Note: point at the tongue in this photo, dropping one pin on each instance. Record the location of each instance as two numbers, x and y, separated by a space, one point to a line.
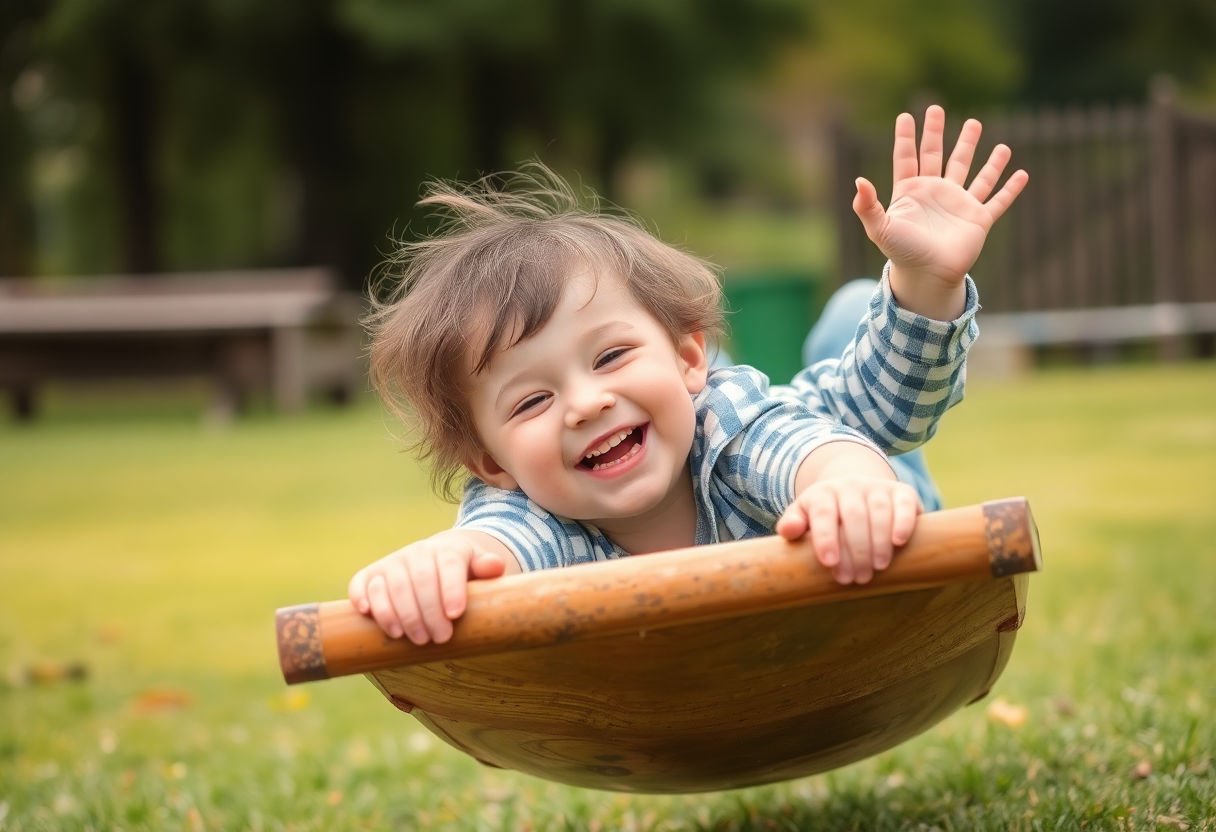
615 453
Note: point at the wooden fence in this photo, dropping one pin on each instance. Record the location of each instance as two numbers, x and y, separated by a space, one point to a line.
1120 210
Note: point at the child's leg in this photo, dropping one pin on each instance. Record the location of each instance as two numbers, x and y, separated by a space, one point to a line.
827 339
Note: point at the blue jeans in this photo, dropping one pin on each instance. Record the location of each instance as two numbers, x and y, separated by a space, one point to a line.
827 339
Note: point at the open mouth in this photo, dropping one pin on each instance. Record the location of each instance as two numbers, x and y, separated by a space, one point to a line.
615 450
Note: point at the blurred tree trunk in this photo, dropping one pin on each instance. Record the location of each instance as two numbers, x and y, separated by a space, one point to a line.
133 101
316 152
610 155
17 229
16 216
311 85
490 100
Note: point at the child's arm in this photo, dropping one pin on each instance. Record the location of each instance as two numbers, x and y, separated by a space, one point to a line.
854 509
905 368
417 591
936 225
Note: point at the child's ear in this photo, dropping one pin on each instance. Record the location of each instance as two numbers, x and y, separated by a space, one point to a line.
694 361
486 469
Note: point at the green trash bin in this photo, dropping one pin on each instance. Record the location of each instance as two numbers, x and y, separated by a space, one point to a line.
771 311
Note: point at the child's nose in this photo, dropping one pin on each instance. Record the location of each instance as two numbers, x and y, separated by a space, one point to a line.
587 403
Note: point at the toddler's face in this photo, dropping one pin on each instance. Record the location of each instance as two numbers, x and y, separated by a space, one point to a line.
592 416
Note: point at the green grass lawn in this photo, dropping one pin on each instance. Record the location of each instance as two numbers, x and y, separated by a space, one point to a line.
154 550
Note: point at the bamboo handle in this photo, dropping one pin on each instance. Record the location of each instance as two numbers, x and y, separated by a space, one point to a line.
990 540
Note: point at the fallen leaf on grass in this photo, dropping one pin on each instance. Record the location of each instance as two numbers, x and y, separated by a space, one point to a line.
1142 770
160 700
110 633
1173 821
49 672
1007 713
1064 706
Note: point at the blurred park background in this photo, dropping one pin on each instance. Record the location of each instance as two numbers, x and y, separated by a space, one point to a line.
195 194
278 148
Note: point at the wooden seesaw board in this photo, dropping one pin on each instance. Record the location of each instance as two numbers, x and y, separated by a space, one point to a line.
701 669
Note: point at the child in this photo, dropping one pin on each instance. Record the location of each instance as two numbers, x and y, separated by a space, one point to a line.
559 357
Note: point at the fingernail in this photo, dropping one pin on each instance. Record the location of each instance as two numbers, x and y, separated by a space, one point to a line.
394 631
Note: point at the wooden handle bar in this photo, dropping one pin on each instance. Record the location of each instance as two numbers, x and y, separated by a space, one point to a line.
990 540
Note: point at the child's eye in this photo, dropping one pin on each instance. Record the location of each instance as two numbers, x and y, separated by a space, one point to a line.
609 356
528 404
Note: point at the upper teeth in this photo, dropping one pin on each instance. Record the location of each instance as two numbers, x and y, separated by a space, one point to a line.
609 443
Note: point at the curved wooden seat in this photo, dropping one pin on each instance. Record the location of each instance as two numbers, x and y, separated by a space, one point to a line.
707 668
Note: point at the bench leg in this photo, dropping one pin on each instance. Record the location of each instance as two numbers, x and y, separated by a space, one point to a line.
23 402
287 375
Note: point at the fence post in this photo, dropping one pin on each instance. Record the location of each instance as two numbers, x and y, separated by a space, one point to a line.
1163 168
847 166
1163 193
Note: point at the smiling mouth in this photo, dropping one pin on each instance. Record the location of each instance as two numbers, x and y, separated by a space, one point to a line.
615 450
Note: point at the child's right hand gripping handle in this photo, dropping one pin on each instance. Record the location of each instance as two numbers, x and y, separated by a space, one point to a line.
991 540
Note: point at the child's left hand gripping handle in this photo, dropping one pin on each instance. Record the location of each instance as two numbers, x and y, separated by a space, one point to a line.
331 638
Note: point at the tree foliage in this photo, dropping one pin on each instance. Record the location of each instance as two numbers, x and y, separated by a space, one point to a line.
323 116
221 133
1086 50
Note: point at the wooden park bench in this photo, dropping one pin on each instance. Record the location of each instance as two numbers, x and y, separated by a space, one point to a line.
286 332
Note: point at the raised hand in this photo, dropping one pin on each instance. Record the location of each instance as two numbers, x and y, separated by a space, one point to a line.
936 224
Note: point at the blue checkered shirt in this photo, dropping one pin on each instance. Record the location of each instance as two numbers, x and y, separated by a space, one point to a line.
899 375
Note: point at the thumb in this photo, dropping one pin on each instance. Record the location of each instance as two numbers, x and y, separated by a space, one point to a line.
486 565
868 209
794 523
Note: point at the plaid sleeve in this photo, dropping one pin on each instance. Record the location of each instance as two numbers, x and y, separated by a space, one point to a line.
902 372
761 465
537 538
756 443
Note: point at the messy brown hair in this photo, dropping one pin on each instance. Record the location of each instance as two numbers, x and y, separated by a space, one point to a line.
490 277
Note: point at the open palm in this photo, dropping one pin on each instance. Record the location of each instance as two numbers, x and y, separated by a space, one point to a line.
936 224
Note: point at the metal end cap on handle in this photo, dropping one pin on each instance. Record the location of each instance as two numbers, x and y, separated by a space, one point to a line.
301 656
1013 537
